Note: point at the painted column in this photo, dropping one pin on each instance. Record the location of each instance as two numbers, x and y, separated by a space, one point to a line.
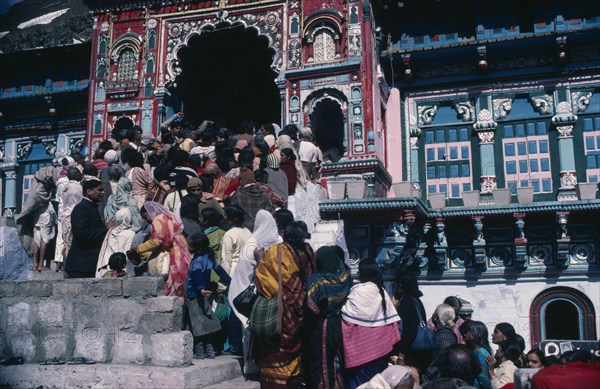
9 174
564 122
281 82
485 128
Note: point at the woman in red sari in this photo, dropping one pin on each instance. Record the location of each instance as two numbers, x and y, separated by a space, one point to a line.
279 356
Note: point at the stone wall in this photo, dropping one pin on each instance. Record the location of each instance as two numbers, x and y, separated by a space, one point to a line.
14 261
108 320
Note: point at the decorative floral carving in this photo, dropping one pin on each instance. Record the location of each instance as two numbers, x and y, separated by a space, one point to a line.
465 110
564 131
426 114
486 137
50 146
544 104
563 107
294 53
10 174
488 184
580 101
502 107
568 179
76 145
23 150
484 116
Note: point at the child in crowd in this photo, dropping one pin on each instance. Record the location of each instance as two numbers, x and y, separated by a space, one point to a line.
199 295
117 263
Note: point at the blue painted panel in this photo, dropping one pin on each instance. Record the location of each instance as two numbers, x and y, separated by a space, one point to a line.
445 115
522 109
38 152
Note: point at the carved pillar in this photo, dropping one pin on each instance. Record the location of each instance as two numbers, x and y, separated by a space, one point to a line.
8 169
564 121
441 245
370 181
399 245
485 128
420 254
281 82
479 243
563 241
413 166
520 241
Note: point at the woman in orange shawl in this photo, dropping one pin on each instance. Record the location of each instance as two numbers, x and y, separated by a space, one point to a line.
279 356
167 234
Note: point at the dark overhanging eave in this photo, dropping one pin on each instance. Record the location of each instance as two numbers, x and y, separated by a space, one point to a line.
390 204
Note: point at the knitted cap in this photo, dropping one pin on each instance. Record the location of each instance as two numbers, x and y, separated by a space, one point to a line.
110 157
273 161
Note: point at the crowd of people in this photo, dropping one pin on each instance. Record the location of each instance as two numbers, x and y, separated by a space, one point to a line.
214 214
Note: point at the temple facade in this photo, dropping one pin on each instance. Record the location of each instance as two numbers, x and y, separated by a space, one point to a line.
464 141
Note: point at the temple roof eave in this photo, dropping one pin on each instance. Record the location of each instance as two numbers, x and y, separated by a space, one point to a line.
388 204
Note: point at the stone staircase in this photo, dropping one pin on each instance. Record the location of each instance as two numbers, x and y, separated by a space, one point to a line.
222 372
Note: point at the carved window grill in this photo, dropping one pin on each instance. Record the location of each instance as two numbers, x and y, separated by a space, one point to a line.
324 47
127 64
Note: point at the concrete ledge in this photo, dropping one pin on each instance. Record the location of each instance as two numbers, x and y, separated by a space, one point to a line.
201 374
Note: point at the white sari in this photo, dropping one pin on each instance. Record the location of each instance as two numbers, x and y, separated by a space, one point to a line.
117 240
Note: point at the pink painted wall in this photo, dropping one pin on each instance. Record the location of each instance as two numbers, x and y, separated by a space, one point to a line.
394 150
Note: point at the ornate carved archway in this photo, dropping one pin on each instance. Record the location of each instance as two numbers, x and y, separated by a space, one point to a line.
266 25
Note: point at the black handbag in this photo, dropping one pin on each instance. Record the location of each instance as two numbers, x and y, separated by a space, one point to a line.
244 301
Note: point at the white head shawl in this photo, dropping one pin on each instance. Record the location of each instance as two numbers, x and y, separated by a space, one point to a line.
265 234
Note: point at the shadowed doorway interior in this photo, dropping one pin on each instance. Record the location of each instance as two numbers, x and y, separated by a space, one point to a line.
327 123
226 76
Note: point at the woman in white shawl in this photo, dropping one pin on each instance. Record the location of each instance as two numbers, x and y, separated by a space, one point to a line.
369 326
117 240
264 235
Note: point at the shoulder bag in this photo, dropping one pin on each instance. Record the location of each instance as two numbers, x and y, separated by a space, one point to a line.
244 301
266 315
425 339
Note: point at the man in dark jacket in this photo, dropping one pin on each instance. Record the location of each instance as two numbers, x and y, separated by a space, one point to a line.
88 232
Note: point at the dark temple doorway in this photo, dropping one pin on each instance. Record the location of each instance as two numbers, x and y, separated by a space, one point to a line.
327 123
227 77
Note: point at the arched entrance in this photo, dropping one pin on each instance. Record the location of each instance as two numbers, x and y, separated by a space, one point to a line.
560 313
226 76
327 122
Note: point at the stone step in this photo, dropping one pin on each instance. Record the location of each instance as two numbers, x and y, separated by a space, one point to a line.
102 375
45 275
237 383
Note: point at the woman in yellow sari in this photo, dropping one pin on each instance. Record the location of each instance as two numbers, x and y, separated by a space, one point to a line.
279 356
